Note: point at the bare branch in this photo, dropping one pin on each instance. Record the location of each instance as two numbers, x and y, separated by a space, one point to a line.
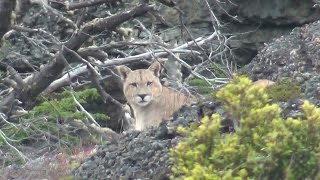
48 73
84 4
116 45
103 130
59 14
66 79
5 138
93 52
84 110
3 117
157 53
107 23
6 7
17 78
9 82
95 78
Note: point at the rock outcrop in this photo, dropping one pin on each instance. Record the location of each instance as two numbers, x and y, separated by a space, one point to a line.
138 155
145 155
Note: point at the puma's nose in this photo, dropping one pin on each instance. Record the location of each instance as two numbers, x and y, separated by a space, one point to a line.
142 96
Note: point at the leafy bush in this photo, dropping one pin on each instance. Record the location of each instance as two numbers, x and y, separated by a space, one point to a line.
202 85
284 90
44 121
64 107
264 146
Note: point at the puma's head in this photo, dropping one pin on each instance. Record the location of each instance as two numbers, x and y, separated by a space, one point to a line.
141 87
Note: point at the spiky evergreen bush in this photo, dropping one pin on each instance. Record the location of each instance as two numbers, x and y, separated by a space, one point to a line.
264 146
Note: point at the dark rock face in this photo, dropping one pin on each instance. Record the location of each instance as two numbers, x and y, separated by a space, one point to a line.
257 22
312 90
138 155
294 56
277 12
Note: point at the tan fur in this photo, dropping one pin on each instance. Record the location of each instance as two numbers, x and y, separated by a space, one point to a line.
159 102
263 83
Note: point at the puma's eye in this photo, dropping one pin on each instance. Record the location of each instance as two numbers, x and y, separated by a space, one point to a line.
149 83
133 84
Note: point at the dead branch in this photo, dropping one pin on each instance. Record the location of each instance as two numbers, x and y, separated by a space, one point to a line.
93 52
157 53
102 24
9 82
169 3
6 7
95 78
79 5
112 136
49 72
7 139
106 97
84 110
16 77
65 79
37 83
59 14
115 45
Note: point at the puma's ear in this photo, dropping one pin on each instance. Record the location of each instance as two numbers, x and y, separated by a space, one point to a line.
123 71
155 68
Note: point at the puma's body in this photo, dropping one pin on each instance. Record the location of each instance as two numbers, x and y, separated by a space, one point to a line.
263 83
161 109
151 102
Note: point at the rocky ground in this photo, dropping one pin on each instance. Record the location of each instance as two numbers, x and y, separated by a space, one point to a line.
138 155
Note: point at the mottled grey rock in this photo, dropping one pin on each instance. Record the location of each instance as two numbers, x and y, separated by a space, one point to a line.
138 155
312 90
294 56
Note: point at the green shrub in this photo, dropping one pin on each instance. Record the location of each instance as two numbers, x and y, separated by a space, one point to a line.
264 146
202 85
64 106
284 90
219 70
47 116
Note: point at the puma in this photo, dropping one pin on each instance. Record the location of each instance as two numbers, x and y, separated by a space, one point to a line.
263 83
150 101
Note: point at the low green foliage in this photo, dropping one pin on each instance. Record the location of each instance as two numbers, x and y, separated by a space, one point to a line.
264 146
47 116
64 107
284 90
202 85
219 70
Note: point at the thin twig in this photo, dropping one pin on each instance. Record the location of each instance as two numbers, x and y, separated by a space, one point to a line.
4 119
84 110
156 53
4 137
